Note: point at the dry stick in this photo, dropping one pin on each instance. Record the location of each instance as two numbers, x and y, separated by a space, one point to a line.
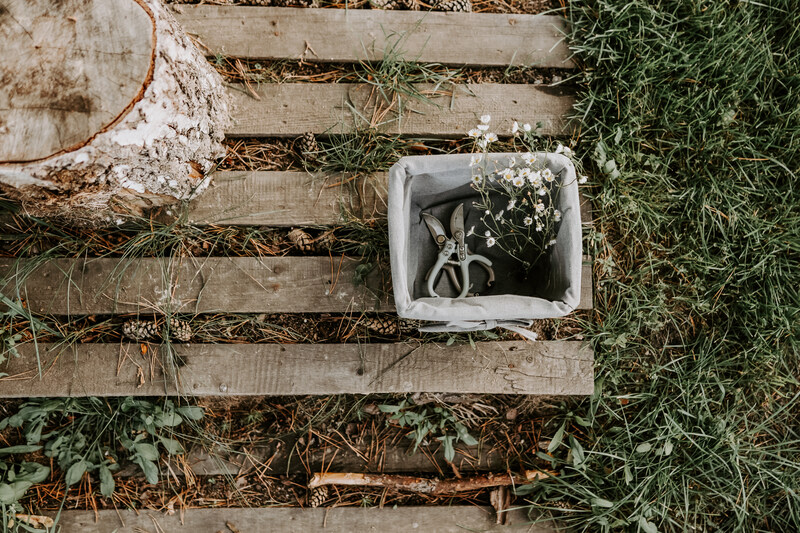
426 485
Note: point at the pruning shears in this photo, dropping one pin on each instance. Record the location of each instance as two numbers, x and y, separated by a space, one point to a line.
453 245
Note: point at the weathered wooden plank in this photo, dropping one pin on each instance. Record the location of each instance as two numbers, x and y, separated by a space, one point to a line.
372 457
352 35
285 199
205 285
509 367
195 285
291 109
453 519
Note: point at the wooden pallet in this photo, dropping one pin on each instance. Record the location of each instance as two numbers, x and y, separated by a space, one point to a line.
307 284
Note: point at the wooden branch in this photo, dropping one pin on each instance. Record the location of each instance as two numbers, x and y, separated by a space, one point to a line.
426 485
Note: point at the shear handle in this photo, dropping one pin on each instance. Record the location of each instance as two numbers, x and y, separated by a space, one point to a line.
481 260
448 248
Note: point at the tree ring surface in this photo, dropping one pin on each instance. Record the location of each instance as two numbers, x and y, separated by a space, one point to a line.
71 69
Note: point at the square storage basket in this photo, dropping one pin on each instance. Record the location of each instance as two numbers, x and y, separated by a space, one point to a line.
437 185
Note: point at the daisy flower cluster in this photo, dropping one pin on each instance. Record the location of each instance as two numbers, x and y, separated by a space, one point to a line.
518 196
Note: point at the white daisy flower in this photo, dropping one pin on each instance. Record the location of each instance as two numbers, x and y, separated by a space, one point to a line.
528 157
539 226
475 159
526 127
557 215
552 243
547 174
483 127
482 143
486 119
539 207
477 180
524 173
507 174
536 179
514 128
486 233
561 149
527 221
518 182
511 205
490 242
474 132
541 192
583 179
490 137
512 162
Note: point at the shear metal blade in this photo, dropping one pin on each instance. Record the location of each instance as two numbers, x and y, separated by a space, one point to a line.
457 222
436 228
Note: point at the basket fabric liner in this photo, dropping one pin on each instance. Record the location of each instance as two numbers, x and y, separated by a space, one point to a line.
437 185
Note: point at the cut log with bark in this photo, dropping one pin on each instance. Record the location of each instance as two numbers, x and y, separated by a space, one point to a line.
106 107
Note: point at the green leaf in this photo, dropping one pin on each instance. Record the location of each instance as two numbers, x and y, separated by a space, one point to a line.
146 450
644 447
389 408
557 438
34 472
150 470
75 472
628 475
450 341
668 447
106 482
168 420
172 446
646 526
22 448
7 494
601 502
578 456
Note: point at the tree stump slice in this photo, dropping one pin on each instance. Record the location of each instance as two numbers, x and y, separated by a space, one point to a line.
59 97
106 107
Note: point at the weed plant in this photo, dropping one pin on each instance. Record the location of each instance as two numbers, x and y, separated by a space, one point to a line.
691 110
94 435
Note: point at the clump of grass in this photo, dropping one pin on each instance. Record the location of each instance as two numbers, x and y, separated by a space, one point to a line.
692 113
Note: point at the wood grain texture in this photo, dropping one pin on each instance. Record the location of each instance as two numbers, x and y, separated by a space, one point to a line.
286 199
196 285
69 70
508 367
291 109
206 285
453 519
357 34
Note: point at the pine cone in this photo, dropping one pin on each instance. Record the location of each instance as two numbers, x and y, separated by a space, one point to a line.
139 330
383 325
302 240
180 330
307 146
456 6
411 5
318 496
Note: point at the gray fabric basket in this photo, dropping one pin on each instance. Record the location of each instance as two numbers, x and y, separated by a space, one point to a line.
436 185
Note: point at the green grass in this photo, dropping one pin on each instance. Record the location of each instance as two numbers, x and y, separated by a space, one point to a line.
690 117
